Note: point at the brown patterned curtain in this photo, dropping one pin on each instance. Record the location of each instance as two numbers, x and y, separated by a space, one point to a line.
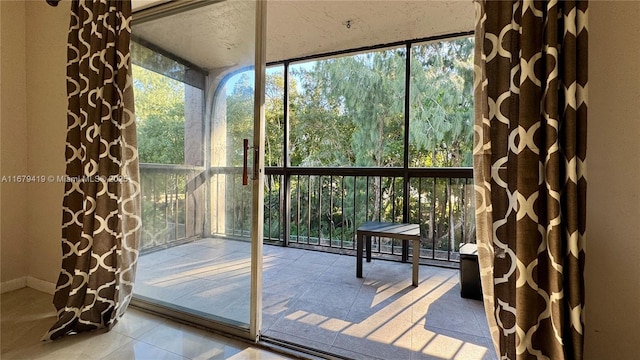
101 202
529 164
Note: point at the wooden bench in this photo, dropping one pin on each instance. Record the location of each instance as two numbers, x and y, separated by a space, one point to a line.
389 230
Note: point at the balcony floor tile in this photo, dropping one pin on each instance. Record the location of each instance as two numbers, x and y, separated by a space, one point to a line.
314 299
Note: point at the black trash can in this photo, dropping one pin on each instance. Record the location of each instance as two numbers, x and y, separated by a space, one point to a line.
470 286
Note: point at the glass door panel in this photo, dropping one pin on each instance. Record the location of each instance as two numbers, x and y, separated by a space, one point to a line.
195 89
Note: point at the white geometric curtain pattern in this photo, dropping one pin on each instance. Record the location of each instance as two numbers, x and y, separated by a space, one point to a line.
530 174
101 205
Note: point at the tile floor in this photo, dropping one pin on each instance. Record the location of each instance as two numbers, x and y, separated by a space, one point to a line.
314 299
26 314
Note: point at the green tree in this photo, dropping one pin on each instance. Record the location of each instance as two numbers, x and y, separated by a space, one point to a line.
320 131
350 111
370 90
160 117
239 117
441 128
274 118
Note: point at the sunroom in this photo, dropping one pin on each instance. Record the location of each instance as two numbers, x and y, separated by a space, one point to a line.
367 116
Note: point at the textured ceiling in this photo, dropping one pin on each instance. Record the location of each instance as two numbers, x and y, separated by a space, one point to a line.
221 35
300 28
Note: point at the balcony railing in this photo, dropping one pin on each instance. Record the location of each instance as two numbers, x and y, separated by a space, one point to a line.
326 206
317 208
173 205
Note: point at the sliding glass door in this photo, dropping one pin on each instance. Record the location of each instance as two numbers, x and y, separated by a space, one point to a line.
198 78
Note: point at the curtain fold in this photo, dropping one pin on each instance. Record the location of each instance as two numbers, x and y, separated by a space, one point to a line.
530 173
101 205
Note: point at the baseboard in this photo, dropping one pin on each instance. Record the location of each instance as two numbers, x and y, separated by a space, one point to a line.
27 281
14 284
41 285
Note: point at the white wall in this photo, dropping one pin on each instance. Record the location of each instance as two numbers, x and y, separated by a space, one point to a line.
613 155
33 126
32 133
46 35
13 137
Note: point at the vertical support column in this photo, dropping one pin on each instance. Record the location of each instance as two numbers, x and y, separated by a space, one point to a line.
416 262
193 155
286 177
215 158
405 179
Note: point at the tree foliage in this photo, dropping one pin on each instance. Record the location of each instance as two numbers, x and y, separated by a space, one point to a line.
239 118
319 131
274 118
441 98
345 111
368 90
349 111
160 117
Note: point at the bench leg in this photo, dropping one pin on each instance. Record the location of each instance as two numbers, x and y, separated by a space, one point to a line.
416 261
405 250
367 241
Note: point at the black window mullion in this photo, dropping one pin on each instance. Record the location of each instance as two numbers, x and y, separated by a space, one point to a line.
285 211
405 177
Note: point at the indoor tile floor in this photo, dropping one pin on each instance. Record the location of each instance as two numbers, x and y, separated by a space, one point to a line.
314 299
26 315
